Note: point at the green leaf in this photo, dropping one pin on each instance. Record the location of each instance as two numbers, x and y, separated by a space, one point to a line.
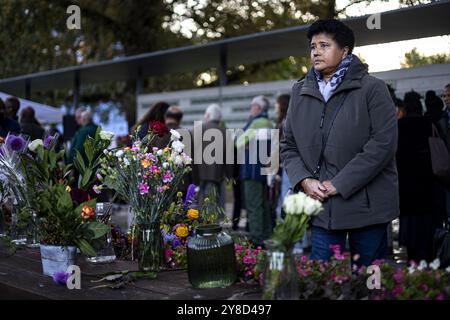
98 229
85 247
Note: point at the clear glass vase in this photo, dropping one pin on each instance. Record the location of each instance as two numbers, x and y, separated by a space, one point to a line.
105 249
150 247
33 240
280 274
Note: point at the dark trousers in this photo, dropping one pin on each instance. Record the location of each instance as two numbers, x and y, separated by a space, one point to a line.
370 243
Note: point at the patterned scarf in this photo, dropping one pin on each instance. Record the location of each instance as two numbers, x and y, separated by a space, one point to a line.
327 88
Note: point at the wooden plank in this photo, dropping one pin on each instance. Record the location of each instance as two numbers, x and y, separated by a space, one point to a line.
21 278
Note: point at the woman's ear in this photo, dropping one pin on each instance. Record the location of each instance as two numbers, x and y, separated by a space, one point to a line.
346 50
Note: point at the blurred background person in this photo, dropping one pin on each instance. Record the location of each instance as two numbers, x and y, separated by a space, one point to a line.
12 107
255 184
7 124
422 199
30 125
210 174
88 129
173 117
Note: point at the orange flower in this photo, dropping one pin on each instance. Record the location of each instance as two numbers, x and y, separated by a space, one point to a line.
87 212
192 214
166 187
126 149
145 163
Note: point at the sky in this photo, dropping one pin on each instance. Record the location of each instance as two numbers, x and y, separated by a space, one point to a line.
397 50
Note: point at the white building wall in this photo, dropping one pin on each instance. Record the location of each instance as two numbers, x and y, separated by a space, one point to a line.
235 100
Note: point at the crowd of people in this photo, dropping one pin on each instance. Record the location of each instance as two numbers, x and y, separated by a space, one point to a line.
346 140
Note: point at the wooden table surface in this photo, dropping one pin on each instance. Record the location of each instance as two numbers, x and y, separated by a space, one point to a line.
21 278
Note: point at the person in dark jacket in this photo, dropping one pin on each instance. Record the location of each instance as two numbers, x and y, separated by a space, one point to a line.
340 139
7 124
12 107
30 125
211 172
88 129
436 113
422 197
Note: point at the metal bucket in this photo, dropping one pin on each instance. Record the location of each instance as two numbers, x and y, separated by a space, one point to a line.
56 258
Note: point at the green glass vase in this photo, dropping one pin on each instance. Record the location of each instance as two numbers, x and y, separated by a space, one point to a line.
211 258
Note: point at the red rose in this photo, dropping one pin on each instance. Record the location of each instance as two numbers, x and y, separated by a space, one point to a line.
158 128
79 196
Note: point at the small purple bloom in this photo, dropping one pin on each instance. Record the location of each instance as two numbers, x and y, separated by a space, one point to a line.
176 242
60 277
160 189
48 141
16 143
190 194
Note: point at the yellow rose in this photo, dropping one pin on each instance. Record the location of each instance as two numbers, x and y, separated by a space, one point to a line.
192 214
182 231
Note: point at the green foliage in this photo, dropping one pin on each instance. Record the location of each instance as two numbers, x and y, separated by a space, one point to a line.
89 165
61 221
414 59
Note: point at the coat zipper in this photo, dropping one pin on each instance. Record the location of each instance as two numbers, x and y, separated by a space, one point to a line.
322 121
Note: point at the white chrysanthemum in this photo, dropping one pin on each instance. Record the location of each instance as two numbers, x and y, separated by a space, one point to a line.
178 160
119 153
106 135
159 152
175 135
435 264
33 145
422 265
187 159
178 146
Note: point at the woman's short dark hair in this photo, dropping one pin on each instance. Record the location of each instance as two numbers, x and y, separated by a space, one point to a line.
283 101
412 103
340 32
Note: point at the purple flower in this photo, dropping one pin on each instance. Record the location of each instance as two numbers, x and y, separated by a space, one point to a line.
16 143
48 141
176 242
143 188
190 194
60 277
160 189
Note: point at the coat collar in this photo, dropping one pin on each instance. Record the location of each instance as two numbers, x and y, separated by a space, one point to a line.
352 80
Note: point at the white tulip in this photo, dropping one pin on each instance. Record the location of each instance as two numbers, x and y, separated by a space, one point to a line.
312 207
106 135
33 145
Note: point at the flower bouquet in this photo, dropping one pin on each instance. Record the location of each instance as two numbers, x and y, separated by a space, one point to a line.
147 177
280 279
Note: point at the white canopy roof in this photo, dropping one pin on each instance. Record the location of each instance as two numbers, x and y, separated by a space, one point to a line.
45 114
